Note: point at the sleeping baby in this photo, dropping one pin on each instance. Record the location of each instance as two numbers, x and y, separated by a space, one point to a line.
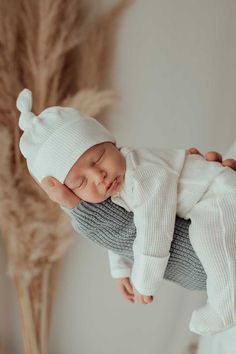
156 185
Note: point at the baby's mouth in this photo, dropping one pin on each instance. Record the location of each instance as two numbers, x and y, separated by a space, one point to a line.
112 185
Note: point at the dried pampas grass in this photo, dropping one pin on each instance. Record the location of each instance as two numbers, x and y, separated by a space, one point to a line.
91 101
57 49
3 349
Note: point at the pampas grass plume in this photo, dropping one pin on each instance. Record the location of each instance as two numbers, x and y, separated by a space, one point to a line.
61 53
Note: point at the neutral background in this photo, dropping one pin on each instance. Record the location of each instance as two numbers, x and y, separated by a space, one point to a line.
174 69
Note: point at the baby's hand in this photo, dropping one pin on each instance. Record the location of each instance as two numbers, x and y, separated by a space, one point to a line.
125 288
130 293
142 299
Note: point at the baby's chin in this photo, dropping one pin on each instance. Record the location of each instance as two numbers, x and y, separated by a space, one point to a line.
95 200
99 199
92 199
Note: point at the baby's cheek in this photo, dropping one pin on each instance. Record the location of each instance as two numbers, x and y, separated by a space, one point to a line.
81 193
90 195
97 194
76 193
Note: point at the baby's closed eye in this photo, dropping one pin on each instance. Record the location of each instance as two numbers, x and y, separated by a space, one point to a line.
79 183
83 183
99 159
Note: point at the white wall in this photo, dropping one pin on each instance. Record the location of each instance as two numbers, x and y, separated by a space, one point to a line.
174 67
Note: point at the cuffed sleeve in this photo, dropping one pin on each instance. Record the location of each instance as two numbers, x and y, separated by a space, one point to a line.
148 272
120 267
154 218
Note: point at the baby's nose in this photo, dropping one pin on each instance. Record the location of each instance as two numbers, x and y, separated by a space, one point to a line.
100 176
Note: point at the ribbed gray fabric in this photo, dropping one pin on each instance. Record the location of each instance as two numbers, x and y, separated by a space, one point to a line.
110 226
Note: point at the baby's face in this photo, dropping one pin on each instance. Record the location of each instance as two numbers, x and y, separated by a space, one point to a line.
97 174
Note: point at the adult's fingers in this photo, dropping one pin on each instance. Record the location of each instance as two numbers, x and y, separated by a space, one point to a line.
59 193
194 151
230 163
213 156
209 156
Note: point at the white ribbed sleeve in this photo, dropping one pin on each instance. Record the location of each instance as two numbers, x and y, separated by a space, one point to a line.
120 267
150 192
154 218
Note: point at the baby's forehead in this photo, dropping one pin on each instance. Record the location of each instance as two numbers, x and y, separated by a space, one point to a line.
87 155
91 152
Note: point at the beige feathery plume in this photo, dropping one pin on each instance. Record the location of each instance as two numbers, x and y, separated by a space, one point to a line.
91 102
57 50
3 349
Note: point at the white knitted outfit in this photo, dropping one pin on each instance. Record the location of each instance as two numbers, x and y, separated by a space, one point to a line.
158 185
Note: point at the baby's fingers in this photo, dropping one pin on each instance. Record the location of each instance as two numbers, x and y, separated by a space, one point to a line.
143 299
147 299
125 292
128 286
128 293
59 193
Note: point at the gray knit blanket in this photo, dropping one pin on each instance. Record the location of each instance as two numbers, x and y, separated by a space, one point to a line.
111 226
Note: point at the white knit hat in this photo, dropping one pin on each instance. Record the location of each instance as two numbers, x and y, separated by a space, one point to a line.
53 141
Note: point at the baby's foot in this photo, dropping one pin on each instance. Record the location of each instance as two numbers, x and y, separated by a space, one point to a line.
207 321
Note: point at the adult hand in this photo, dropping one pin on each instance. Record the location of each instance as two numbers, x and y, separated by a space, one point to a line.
214 156
58 192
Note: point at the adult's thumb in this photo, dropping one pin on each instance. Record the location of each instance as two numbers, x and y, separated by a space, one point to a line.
59 192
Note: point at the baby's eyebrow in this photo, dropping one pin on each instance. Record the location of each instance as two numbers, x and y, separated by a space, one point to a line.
98 153
95 152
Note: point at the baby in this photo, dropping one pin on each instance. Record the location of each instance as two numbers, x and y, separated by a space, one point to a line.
155 185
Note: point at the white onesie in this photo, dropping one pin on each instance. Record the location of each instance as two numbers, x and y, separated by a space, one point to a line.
160 184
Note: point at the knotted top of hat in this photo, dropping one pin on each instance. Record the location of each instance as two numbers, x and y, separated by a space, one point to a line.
54 140
24 105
